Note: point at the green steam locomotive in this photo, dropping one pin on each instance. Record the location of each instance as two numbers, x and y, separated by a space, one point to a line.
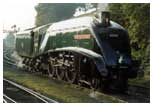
86 50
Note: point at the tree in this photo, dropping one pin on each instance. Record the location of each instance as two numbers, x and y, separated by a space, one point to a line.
136 19
53 12
117 14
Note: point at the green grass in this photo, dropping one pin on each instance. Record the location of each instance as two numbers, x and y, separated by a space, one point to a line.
58 90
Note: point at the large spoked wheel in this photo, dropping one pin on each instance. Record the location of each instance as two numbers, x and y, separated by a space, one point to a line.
95 79
71 75
71 70
51 69
95 82
59 72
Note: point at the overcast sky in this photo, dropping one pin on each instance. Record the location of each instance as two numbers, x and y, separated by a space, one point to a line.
22 14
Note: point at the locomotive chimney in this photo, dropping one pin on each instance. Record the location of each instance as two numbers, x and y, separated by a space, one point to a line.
105 18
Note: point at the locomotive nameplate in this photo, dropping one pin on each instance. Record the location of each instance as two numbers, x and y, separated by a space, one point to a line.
82 36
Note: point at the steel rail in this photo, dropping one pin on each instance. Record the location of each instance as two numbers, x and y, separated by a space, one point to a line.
5 96
37 95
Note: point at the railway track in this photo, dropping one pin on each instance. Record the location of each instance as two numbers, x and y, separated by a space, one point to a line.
35 96
7 99
132 98
141 91
15 93
135 93
7 59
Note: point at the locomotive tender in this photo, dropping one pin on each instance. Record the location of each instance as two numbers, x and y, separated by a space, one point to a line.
80 50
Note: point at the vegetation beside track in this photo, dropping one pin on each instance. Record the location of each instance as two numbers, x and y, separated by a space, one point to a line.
135 18
58 90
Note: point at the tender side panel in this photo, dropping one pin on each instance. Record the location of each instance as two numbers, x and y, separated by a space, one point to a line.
24 45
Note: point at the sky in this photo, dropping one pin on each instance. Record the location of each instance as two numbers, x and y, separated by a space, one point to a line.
21 14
